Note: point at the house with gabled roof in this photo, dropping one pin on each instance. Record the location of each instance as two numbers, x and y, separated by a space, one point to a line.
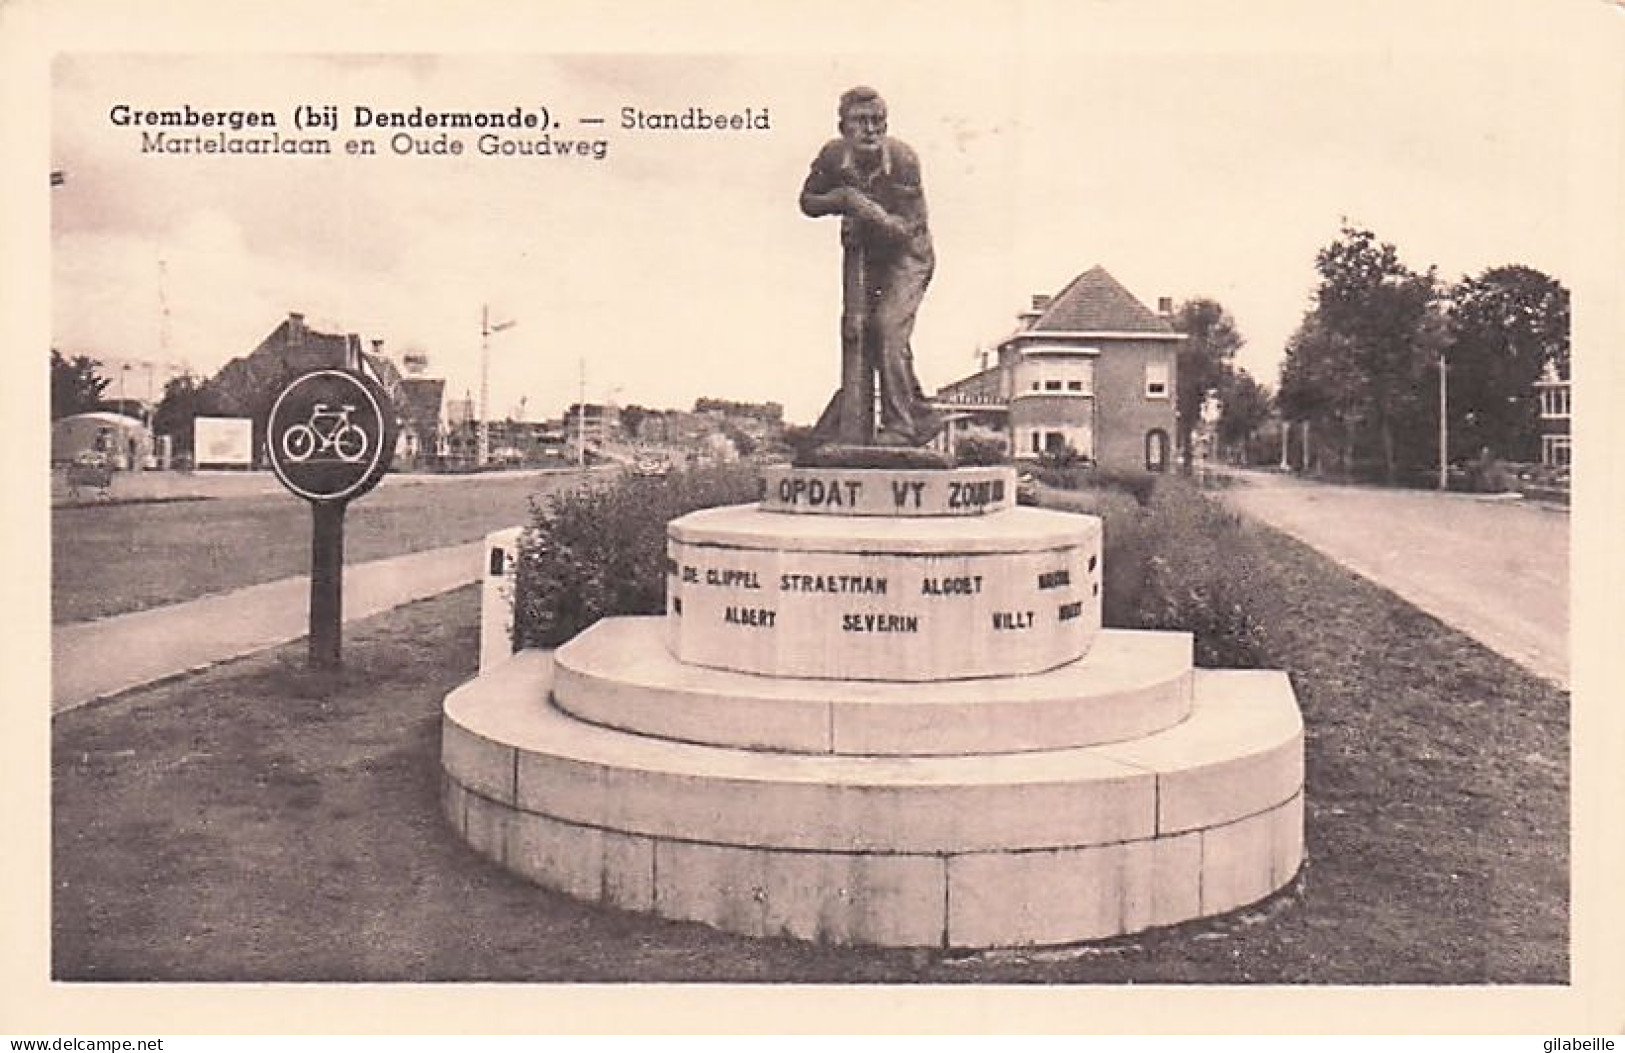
248 385
1090 369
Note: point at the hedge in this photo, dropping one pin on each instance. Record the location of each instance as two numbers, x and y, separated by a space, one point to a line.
598 551
1177 561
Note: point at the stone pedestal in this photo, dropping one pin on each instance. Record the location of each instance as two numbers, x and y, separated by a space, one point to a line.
896 726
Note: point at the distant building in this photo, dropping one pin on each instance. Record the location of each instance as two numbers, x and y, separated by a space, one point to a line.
1090 368
1556 405
419 407
594 425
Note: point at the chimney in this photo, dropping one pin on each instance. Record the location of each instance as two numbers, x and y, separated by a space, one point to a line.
378 348
1165 305
1041 302
296 329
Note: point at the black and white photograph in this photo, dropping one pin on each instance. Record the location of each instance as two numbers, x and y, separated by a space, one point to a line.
723 515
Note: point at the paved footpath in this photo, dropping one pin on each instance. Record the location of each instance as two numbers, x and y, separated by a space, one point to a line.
91 660
1496 570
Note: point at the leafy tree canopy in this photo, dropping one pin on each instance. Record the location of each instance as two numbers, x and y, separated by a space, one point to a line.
75 386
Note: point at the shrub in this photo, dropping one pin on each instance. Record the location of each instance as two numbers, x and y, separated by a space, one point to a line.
595 552
1179 563
1137 483
1066 456
1486 475
1198 577
981 446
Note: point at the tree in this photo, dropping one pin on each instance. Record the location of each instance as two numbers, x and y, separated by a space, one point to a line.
75 387
184 400
632 418
1246 406
1508 325
1211 343
1318 385
1366 349
742 442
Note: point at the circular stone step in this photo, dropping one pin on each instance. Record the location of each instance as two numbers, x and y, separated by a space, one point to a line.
866 598
619 674
947 851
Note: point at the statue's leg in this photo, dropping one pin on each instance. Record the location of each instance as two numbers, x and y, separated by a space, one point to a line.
904 410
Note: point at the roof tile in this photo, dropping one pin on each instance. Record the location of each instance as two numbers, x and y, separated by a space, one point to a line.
1093 302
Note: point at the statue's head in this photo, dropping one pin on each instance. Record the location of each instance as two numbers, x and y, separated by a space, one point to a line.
863 120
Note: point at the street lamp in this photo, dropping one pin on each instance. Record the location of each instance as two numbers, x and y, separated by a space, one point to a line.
486 329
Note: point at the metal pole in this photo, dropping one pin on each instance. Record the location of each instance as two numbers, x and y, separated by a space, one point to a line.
326 583
1444 424
484 454
581 417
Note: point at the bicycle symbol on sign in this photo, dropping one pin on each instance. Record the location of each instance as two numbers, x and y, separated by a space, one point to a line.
329 431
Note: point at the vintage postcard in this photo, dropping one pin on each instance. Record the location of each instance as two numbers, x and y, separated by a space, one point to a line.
1047 517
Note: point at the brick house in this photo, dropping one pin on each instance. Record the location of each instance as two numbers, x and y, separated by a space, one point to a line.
248 385
1555 393
1090 368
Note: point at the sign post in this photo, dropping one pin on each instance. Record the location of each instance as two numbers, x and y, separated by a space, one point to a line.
331 437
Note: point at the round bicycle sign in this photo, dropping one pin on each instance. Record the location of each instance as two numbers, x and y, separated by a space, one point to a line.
331 435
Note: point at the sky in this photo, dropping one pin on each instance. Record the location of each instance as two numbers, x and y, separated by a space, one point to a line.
1204 163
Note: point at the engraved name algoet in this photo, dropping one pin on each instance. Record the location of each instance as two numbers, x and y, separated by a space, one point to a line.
957 585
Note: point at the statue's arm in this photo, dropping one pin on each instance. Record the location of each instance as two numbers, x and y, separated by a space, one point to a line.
824 193
835 201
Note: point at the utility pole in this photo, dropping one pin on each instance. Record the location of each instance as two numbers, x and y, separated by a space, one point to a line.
486 329
1444 424
581 418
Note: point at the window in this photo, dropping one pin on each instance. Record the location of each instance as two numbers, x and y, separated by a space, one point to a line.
1052 385
1156 450
1037 386
1555 402
1037 447
1074 385
1055 442
1556 450
1156 380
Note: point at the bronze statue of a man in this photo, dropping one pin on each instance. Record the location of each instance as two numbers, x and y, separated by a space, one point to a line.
872 182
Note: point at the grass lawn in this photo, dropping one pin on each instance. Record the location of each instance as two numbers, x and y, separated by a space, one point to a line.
253 823
111 559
